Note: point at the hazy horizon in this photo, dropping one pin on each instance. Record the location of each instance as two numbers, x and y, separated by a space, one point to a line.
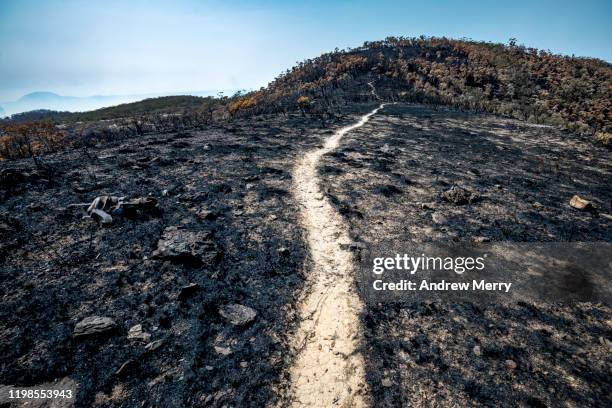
153 47
52 101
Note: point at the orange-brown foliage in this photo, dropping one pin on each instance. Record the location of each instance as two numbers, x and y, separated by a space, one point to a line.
29 139
242 104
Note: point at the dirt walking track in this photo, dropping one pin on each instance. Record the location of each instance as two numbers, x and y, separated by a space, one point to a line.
329 371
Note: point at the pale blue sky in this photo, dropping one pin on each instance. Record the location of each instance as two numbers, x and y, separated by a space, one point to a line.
108 47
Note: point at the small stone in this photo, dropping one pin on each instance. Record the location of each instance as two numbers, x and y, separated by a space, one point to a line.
244 364
580 203
185 246
480 240
459 196
238 315
428 206
477 351
238 213
93 325
154 345
386 382
439 218
224 351
136 333
510 364
537 205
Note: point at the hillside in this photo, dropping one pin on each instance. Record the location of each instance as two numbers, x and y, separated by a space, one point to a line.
146 106
509 80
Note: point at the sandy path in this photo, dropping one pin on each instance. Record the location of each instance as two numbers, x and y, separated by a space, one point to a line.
328 370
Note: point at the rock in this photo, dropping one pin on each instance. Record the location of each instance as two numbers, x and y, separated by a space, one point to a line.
477 351
224 351
386 382
480 240
439 218
154 345
428 206
510 364
580 203
136 333
93 325
187 291
238 315
537 205
184 246
103 207
459 196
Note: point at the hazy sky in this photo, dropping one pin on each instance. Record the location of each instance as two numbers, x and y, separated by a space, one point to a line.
109 47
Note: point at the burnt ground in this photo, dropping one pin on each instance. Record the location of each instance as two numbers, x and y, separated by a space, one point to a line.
387 179
230 185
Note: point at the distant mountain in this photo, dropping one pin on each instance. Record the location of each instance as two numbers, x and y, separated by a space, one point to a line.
36 97
49 101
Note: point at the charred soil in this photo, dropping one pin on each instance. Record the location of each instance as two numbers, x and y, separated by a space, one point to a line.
416 174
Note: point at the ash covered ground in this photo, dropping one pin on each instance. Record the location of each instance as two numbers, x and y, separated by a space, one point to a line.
225 194
388 179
